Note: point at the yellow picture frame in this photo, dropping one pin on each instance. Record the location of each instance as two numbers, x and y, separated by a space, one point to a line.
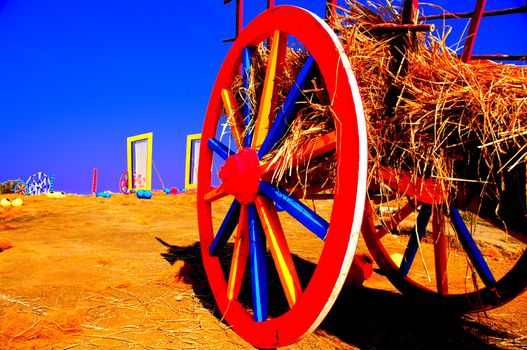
133 143
192 160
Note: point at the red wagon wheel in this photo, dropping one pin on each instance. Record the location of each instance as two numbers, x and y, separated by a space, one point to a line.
480 276
254 116
123 183
20 188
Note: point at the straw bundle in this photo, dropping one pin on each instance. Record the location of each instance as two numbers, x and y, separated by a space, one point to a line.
427 112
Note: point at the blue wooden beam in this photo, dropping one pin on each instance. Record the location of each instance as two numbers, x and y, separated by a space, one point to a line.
220 149
226 229
247 56
285 115
258 265
296 209
471 248
413 243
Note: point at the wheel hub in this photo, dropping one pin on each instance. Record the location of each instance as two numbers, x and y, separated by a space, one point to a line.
240 175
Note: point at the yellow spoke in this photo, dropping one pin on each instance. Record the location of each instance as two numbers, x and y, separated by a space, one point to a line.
279 249
234 116
269 96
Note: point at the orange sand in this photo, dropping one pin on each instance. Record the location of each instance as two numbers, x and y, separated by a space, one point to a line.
86 272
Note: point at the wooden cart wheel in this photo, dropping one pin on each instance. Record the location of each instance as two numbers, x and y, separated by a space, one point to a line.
241 275
38 183
440 236
20 188
123 183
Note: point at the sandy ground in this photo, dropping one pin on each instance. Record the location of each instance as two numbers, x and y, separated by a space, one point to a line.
85 272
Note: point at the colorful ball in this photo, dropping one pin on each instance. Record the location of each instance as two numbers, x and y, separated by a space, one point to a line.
166 190
140 194
174 190
147 194
17 202
361 269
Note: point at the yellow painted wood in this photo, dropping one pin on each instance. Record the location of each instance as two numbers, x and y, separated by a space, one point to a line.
129 152
269 95
239 256
279 249
188 181
234 118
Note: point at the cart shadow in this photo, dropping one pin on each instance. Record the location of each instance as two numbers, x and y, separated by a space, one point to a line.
362 317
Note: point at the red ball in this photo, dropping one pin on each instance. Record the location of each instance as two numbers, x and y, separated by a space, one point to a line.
173 190
361 269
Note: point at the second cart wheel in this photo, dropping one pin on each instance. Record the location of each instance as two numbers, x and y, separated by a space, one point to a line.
20 188
38 183
274 260
436 253
123 183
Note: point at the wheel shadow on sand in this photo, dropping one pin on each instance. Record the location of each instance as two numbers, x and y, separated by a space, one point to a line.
362 317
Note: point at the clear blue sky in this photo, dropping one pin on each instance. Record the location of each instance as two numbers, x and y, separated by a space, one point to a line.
78 77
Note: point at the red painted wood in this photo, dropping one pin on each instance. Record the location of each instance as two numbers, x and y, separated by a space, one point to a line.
440 249
422 190
473 30
239 256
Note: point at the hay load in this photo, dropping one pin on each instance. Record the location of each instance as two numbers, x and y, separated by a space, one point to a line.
428 113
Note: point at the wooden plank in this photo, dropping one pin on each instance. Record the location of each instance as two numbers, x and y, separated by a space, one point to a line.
215 194
269 95
234 117
440 249
260 293
239 256
279 249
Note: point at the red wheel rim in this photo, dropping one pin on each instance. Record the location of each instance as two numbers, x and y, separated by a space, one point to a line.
492 289
342 234
20 188
123 183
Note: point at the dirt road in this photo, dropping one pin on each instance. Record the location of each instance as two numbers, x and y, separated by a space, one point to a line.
87 272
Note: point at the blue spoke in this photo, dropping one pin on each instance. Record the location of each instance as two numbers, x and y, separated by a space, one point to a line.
226 229
296 209
247 55
218 147
413 244
285 115
258 266
472 250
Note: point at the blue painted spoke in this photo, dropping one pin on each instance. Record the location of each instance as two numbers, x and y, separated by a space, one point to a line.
285 115
258 266
247 55
218 147
296 209
413 244
471 248
226 229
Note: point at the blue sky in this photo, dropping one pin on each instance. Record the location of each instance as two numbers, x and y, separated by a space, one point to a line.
79 77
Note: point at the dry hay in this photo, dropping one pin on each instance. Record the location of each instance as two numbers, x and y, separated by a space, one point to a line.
428 113
444 108
17 329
